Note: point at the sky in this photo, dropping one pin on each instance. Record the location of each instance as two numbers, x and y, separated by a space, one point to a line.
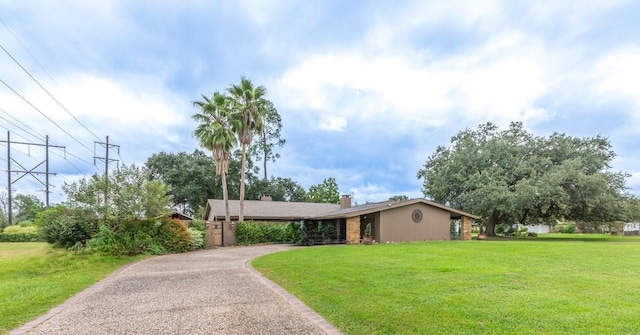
366 89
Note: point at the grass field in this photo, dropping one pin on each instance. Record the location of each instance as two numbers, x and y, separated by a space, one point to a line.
34 277
584 285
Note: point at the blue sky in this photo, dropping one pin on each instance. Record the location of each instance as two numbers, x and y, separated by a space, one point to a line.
366 89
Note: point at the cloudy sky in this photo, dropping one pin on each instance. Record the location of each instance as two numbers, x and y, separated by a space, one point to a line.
366 89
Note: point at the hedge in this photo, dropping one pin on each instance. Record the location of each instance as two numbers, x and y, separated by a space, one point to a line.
248 233
20 234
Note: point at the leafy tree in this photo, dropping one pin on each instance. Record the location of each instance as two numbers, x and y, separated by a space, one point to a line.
190 176
512 176
131 195
215 133
268 138
26 207
280 189
327 192
399 198
248 105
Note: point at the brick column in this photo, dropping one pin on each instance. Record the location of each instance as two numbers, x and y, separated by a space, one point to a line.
466 228
353 230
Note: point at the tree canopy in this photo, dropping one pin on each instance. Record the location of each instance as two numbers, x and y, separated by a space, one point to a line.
131 195
327 191
511 176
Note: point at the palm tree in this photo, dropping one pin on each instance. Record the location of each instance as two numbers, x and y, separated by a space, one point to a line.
248 104
214 132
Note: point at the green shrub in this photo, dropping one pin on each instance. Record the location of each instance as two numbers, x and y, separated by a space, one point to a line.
248 233
197 239
142 237
66 227
198 225
25 223
571 229
532 234
173 235
522 232
20 234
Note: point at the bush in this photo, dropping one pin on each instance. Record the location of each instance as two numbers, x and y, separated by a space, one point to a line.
142 237
197 239
25 223
532 234
248 233
66 227
522 232
198 225
20 234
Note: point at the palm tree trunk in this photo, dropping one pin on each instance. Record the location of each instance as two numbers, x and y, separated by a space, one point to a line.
225 196
242 175
264 153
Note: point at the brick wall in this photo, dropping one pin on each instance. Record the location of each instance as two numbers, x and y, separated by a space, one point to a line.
466 228
353 230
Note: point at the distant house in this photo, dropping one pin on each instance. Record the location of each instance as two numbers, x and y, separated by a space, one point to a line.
539 228
632 228
181 216
391 221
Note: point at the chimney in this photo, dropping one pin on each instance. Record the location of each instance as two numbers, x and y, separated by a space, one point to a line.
345 201
266 197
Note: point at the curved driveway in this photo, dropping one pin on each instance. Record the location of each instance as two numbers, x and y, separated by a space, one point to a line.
205 292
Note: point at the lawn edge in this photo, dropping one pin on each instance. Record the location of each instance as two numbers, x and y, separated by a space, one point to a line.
30 325
298 305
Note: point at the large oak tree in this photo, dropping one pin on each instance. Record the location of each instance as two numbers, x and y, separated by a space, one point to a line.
511 176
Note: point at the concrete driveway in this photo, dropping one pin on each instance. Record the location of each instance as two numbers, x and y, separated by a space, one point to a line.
205 292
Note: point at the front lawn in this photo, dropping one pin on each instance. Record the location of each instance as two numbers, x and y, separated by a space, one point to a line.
476 287
34 277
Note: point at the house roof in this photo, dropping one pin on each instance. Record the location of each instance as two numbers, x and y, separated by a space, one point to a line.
386 205
181 216
269 210
280 210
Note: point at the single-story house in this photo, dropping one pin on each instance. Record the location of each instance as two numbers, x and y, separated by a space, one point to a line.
632 228
391 221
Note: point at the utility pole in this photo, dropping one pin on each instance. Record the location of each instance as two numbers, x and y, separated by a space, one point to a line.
106 161
24 170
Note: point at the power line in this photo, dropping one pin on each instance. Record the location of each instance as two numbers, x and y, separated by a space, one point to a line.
43 114
52 97
19 127
29 52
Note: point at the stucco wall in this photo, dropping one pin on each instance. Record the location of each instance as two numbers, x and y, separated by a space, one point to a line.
396 225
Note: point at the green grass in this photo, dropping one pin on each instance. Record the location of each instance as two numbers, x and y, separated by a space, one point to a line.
34 277
477 287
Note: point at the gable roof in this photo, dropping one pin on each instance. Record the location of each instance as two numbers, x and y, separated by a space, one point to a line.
391 204
293 211
267 210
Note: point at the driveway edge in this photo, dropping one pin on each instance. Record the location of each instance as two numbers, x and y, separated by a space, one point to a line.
294 302
27 327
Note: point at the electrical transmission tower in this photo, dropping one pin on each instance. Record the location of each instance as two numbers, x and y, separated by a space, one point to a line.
25 172
107 146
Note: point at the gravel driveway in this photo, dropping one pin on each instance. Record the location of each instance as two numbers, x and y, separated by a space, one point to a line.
205 292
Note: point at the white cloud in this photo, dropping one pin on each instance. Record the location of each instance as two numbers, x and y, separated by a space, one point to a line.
333 124
618 76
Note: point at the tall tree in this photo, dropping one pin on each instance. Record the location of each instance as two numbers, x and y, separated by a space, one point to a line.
215 133
248 105
131 195
269 138
27 207
511 176
327 191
